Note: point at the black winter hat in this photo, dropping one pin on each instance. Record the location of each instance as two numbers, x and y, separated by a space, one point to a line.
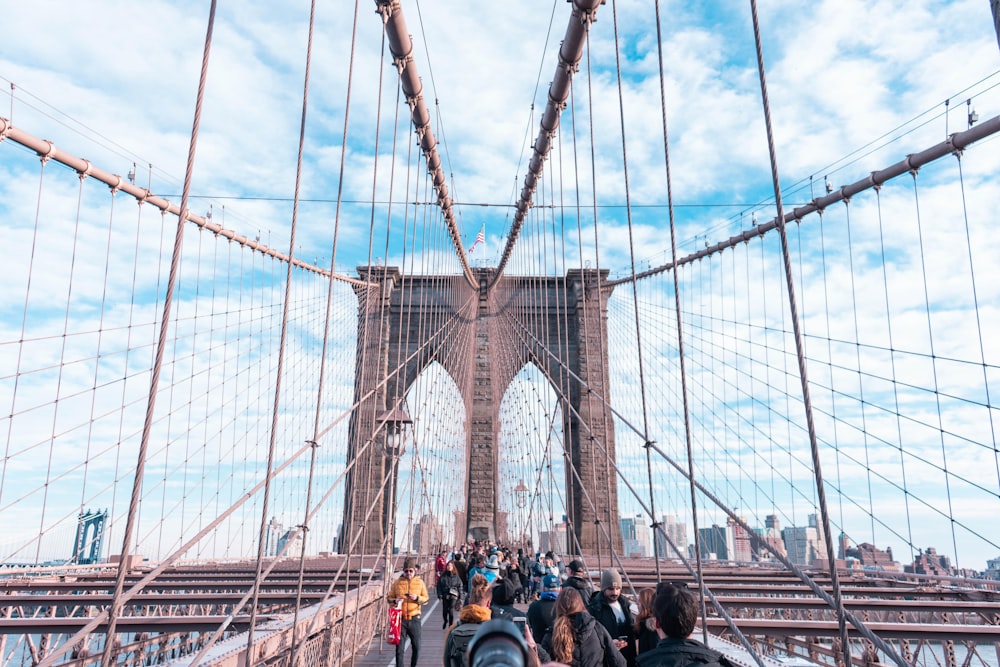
503 591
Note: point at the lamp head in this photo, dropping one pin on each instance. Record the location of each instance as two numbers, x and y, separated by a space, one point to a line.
393 422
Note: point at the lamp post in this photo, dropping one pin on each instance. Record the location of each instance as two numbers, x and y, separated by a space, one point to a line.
392 444
393 422
521 498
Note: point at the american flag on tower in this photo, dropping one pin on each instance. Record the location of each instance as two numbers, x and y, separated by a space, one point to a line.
480 238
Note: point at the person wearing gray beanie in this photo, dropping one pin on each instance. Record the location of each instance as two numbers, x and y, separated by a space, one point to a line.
611 609
611 579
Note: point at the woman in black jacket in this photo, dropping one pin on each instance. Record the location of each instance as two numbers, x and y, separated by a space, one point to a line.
576 639
449 592
645 622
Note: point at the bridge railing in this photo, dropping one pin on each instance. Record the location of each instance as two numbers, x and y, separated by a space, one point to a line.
322 635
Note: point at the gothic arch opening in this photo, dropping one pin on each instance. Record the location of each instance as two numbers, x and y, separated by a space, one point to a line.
532 511
428 517
483 344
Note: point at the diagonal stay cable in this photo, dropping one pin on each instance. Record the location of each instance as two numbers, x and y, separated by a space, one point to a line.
139 477
319 505
138 586
858 624
614 554
293 536
800 344
760 542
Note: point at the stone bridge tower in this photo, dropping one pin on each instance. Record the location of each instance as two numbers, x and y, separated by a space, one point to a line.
483 340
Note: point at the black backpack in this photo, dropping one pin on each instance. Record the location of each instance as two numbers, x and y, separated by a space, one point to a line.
459 639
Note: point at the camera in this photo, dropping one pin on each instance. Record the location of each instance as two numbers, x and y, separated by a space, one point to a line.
498 643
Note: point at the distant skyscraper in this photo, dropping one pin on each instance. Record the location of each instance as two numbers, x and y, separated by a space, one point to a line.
992 569
804 544
845 544
643 534
635 535
772 536
272 535
740 540
677 532
713 541
288 546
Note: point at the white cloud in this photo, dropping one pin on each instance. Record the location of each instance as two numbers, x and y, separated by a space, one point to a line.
840 75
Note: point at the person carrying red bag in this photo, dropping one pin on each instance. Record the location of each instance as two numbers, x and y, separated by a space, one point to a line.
410 592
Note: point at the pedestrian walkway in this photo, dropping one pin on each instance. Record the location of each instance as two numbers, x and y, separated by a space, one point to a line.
382 654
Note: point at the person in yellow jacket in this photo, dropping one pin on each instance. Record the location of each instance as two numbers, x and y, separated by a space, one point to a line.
410 592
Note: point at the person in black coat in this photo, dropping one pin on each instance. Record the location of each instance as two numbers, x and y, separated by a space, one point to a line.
503 599
461 567
449 592
579 580
576 639
612 611
645 622
676 611
542 612
523 568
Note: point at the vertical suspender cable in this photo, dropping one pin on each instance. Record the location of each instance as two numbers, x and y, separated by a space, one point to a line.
975 301
892 370
366 367
579 240
59 374
312 454
147 427
346 530
343 159
861 377
98 365
631 246
35 236
934 366
562 296
282 339
680 333
800 345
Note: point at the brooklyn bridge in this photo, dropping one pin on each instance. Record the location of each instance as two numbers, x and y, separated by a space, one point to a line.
728 323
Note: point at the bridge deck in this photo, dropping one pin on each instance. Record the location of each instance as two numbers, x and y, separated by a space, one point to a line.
380 654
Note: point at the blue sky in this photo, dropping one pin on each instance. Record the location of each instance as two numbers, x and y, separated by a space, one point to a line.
845 79
840 76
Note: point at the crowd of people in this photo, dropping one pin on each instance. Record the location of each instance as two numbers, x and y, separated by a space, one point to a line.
568 621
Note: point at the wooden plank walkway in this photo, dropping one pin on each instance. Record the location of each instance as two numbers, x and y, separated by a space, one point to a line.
381 654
